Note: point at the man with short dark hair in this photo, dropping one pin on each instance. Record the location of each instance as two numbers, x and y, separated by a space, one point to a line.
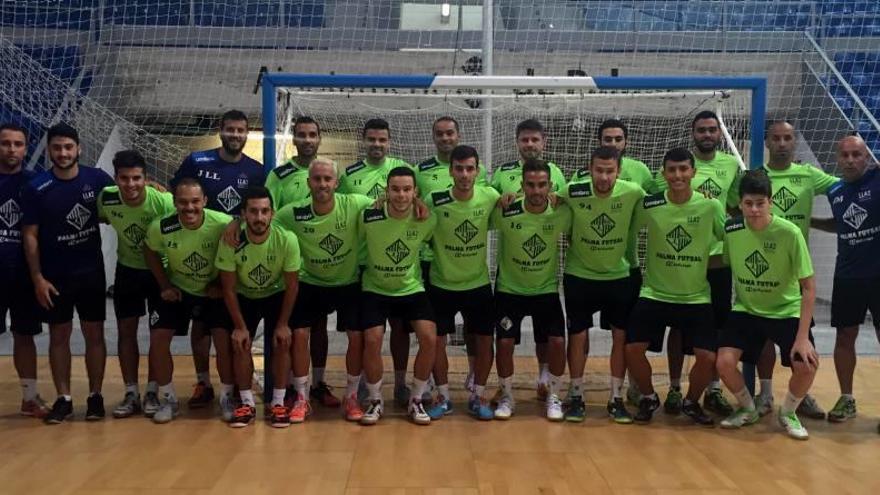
63 248
614 133
288 182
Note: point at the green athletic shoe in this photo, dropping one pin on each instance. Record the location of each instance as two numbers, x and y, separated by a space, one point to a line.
792 425
617 412
714 402
576 410
742 417
844 409
672 404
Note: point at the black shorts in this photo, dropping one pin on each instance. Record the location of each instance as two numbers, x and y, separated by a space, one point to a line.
426 272
749 333
474 305
86 293
852 298
178 314
135 292
18 298
584 297
265 309
635 284
650 318
545 310
376 308
721 287
314 302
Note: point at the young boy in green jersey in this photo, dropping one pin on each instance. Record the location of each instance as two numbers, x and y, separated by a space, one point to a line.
459 280
259 280
130 207
190 290
528 257
775 295
682 228
597 272
393 288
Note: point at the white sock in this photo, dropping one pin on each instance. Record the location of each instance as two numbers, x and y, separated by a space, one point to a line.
301 384
790 404
419 387
278 396
351 385
616 387
226 389
576 387
479 390
317 375
544 375
847 396
131 388
443 390
28 388
375 390
553 384
166 392
506 385
247 397
67 397
399 377
204 377
745 399
152 386
675 382
714 385
766 388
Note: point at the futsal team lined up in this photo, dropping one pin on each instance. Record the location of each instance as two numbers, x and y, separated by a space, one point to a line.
726 268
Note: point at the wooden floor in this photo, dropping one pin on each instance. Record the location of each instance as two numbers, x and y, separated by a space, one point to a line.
457 455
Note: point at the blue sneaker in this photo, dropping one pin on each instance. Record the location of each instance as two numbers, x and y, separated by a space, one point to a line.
480 409
442 406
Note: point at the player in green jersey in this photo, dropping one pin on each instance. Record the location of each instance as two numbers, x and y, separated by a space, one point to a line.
260 281
369 177
130 207
614 133
459 280
795 185
715 177
189 290
326 226
775 296
597 272
287 183
393 288
528 258
531 139
682 228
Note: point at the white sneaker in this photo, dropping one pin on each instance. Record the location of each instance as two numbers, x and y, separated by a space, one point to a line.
373 413
227 408
554 408
167 411
792 425
504 409
417 413
764 405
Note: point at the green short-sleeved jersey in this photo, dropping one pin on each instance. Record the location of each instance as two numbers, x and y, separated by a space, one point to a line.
528 248
433 175
680 237
392 262
329 243
369 180
461 238
600 229
190 253
767 266
793 191
632 170
508 177
260 268
288 183
131 222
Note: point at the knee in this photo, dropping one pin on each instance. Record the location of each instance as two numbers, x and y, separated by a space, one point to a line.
725 362
505 346
373 342
846 338
802 369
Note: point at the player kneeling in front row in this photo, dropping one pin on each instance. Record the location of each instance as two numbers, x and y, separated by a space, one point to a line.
259 279
775 294
393 288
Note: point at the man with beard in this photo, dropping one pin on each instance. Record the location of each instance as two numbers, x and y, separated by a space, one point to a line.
615 134
225 173
130 207
259 279
189 288
63 248
715 177
369 177
17 292
289 182
531 140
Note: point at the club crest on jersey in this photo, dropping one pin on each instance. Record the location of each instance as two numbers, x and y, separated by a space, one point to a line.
10 213
784 199
602 225
534 246
757 264
855 215
397 251
466 231
331 244
260 275
229 198
78 216
678 238
710 188
195 262
135 234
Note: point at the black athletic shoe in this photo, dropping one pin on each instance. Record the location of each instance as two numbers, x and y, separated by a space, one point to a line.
61 411
695 412
95 408
647 406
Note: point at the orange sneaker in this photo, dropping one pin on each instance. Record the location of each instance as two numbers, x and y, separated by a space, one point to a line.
280 417
35 407
243 416
301 409
353 411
